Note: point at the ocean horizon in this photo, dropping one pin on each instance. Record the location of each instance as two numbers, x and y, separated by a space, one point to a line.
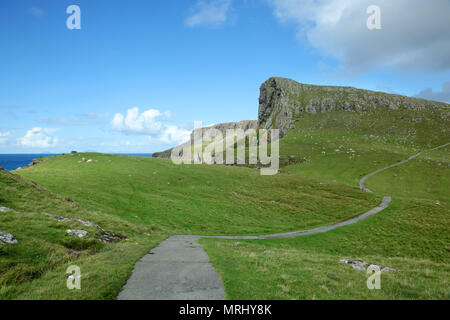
14 161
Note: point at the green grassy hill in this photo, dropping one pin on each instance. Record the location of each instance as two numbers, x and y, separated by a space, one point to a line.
197 199
412 235
147 200
35 267
324 155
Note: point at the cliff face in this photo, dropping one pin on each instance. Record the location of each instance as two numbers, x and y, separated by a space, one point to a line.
282 100
244 125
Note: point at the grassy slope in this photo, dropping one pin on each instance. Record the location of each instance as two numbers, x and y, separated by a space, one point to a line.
198 199
134 195
35 267
412 235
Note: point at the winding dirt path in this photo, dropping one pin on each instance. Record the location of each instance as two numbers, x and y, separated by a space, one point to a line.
179 267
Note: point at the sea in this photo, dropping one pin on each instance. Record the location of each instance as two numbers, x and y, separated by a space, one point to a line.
15 161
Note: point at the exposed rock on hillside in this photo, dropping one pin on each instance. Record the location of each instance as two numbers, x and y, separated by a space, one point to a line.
361 265
244 125
78 233
282 100
106 236
7 238
33 163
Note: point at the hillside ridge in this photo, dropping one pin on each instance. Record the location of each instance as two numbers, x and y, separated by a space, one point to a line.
282 100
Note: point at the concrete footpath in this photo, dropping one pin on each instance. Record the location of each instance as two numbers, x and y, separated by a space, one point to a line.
178 269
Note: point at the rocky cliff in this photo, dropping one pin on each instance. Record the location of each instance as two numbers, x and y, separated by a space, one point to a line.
244 125
282 100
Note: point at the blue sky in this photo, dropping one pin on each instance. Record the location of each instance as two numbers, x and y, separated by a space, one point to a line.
138 73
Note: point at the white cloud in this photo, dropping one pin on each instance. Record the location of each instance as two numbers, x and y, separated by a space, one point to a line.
39 138
443 95
136 123
175 134
149 123
209 13
5 137
414 34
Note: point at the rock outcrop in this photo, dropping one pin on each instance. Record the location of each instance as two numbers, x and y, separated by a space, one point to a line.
7 238
361 265
78 233
32 163
106 237
244 125
282 100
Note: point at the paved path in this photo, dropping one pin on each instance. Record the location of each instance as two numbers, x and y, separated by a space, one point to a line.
363 180
179 268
